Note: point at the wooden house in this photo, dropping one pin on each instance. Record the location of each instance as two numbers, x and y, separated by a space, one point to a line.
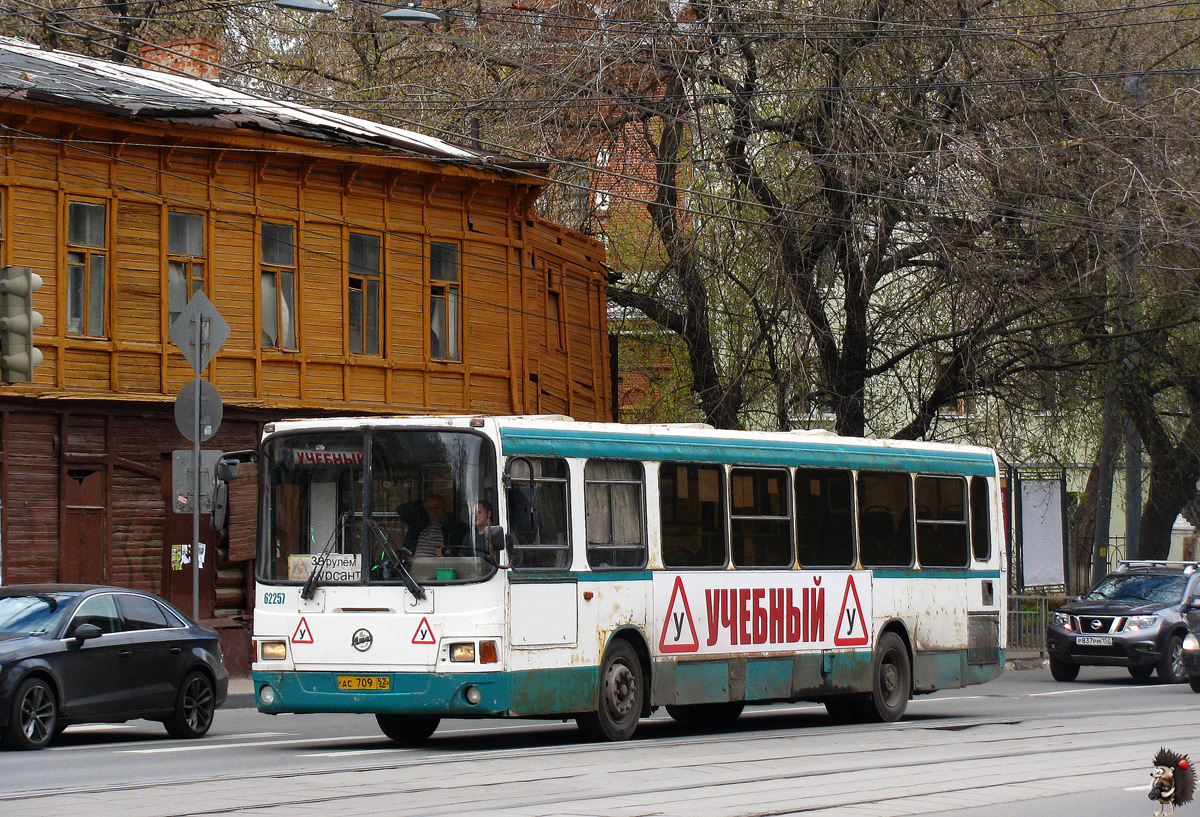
361 268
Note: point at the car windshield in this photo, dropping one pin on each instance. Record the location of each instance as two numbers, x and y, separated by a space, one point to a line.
1126 587
32 614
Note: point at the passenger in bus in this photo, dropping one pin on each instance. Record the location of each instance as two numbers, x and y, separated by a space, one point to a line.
476 543
442 533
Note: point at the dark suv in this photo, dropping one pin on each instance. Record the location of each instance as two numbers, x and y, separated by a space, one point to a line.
1137 617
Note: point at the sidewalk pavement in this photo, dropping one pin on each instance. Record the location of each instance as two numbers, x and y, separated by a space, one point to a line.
241 690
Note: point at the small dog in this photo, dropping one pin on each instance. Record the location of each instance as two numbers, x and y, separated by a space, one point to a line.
1174 781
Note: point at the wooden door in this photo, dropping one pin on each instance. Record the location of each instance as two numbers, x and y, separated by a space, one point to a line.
83 549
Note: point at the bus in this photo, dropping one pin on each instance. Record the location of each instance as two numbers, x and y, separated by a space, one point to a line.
423 568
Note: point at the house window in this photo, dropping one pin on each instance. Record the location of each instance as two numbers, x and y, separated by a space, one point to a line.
278 286
443 302
87 267
364 293
185 260
554 305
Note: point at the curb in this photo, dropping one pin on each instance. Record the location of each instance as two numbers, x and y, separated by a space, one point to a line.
1014 664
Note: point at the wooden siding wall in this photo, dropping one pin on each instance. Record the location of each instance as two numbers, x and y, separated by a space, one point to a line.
42 445
240 180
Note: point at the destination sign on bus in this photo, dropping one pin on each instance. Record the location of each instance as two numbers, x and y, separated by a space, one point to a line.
318 457
335 567
797 611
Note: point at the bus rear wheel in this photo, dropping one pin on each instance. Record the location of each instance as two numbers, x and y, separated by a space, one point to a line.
621 691
893 681
408 729
707 714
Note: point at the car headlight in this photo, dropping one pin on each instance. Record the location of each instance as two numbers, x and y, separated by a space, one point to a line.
1141 622
1063 620
1190 642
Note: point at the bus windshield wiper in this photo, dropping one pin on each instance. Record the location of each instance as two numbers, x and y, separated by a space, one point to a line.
394 560
310 584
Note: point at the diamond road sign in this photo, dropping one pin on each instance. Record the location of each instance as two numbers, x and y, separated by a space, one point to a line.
213 331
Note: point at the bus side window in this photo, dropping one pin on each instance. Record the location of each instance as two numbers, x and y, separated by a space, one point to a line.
981 519
614 509
692 504
760 518
541 539
941 522
824 517
884 519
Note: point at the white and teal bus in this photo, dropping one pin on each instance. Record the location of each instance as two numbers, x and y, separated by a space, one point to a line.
536 567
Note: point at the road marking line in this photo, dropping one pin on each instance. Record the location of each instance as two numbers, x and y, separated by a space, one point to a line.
201 747
1067 691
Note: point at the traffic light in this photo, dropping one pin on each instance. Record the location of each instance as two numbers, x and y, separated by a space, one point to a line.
18 355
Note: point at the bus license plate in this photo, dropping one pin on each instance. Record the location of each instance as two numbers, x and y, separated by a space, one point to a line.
1094 640
360 682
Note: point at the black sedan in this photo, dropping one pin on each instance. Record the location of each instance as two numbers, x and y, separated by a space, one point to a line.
83 654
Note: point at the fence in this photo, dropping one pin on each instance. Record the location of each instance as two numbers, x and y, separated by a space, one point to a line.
1027 619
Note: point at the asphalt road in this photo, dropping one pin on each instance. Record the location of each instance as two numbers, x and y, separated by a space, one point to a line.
1020 745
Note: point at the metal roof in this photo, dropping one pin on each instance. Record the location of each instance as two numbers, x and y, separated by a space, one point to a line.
61 78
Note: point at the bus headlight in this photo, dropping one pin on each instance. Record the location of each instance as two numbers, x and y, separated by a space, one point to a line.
267 695
272 650
473 695
1190 642
462 652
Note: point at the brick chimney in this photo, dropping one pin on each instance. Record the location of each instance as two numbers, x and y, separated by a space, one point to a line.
192 56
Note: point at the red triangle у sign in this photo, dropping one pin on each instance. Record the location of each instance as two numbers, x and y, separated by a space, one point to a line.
851 629
424 633
303 634
678 629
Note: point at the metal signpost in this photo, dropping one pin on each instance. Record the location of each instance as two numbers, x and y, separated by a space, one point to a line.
199 332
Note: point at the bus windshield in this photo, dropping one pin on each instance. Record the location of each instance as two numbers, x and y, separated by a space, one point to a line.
428 499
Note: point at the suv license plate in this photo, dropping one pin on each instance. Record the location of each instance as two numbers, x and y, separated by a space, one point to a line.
1094 640
361 682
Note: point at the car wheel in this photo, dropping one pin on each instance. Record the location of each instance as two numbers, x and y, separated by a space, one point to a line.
1141 672
408 729
194 706
1194 682
1170 669
1063 670
616 718
33 718
720 714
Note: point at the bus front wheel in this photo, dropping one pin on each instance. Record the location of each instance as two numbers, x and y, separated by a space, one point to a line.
621 691
408 729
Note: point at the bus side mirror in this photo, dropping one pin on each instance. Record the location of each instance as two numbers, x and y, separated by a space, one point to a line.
226 470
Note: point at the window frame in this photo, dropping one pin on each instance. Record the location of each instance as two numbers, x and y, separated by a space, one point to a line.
448 293
788 536
370 331
722 513
805 474
284 302
931 527
521 479
598 547
189 263
93 317
905 518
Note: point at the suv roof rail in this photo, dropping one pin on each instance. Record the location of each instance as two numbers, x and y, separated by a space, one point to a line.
1188 567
